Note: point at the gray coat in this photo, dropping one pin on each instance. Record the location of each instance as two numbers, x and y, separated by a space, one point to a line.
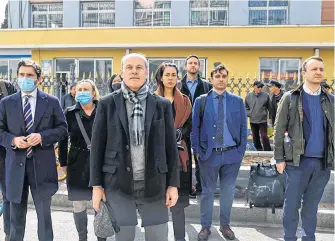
257 107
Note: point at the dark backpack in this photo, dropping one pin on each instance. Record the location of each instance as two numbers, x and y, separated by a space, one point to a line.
266 187
202 106
203 100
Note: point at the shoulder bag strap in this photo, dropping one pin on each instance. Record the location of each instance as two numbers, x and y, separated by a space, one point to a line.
83 131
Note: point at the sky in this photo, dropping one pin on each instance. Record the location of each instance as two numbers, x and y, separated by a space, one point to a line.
2 9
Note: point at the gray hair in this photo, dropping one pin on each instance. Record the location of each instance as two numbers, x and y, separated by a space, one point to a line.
132 55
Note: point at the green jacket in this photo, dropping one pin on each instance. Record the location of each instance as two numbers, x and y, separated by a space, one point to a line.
290 118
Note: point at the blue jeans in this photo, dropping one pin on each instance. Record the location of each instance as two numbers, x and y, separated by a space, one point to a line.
306 183
209 172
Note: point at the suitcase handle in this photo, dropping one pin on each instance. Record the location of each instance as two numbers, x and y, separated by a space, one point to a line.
267 165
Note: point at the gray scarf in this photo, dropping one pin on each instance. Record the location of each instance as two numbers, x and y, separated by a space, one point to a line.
137 113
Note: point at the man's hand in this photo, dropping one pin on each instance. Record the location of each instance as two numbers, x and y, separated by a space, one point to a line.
20 142
98 195
34 139
281 167
64 169
171 197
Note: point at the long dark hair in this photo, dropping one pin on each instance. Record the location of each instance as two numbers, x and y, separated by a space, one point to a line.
159 74
110 81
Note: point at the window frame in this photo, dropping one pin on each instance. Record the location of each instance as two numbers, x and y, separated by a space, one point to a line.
82 12
209 9
152 10
13 73
269 8
47 13
77 60
173 59
278 66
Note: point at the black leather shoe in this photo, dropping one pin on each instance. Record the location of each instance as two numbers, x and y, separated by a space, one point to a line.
227 232
204 234
193 194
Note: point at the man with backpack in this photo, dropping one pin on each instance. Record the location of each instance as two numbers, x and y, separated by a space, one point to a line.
6 88
193 86
219 138
304 148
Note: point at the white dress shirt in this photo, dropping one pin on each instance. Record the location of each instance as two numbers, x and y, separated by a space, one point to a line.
310 92
32 101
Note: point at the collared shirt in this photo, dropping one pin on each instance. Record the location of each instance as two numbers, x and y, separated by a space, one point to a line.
192 85
227 137
310 92
32 101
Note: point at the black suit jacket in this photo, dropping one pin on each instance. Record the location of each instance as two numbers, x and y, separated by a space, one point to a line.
110 160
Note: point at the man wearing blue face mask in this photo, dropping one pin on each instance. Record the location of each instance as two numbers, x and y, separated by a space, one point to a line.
6 88
31 122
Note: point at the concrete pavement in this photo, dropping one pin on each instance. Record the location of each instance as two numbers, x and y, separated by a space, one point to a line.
64 230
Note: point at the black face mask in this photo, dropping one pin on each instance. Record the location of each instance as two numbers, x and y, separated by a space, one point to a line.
116 86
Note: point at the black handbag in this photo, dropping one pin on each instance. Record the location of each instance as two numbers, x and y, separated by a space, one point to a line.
266 187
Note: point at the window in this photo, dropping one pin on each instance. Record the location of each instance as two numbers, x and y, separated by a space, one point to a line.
8 68
98 14
85 68
209 12
268 12
152 13
95 69
155 62
284 70
47 15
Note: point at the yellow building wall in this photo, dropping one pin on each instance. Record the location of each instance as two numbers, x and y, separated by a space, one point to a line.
328 57
124 36
241 62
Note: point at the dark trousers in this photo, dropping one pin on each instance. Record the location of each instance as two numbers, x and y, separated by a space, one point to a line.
306 183
18 211
260 131
209 175
178 219
154 215
6 210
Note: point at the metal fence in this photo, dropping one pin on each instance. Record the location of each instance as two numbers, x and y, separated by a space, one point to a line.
60 85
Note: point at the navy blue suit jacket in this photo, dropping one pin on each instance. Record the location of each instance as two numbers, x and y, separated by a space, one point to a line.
49 122
202 138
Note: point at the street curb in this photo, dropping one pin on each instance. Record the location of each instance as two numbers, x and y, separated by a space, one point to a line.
259 153
240 212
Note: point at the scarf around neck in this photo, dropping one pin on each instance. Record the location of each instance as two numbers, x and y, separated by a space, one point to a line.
137 113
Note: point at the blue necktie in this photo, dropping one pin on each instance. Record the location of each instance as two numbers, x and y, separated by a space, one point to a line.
28 119
220 122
